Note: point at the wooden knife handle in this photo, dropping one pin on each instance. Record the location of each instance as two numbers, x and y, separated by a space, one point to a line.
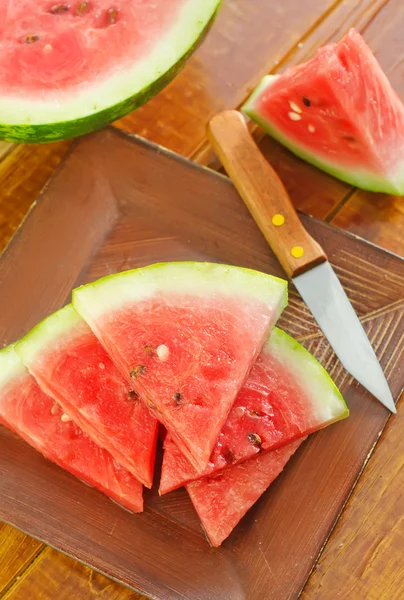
263 193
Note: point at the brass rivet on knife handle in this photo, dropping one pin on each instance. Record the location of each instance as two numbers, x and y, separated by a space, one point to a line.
263 193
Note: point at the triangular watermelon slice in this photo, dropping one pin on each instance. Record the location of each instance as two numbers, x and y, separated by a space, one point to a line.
37 419
222 500
339 112
71 366
186 335
287 395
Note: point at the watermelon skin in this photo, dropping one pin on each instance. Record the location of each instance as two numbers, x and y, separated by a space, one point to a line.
72 367
222 501
212 320
353 127
31 123
287 395
36 418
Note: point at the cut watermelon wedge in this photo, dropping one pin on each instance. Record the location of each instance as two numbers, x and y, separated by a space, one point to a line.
69 68
37 419
186 335
221 501
72 367
287 395
339 112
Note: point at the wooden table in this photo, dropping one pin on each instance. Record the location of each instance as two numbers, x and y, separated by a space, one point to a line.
363 559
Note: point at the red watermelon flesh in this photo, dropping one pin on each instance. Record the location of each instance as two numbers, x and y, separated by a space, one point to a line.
37 419
286 396
76 44
222 501
186 335
339 112
72 366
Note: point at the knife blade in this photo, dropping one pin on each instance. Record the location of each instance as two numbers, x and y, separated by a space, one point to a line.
302 258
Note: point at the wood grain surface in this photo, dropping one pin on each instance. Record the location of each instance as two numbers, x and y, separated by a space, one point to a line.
377 218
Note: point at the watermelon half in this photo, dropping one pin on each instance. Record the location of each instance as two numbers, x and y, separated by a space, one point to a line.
339 112
185 335
221 501
70 365
37 419
69 68
287 395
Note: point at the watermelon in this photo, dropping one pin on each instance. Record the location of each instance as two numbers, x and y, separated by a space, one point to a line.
287 396
69 68
37 419
339 112
222 500
70 365
186 335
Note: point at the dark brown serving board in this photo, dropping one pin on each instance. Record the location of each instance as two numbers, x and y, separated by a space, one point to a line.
116 203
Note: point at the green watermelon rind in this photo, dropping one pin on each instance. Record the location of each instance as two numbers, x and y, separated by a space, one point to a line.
361 179
111 292
54 327
73 126
327 402
10 365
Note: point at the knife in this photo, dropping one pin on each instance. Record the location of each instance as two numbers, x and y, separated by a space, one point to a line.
302 258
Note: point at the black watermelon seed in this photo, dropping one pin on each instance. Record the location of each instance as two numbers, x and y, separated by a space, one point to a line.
59 9
138 370
133 396
229 456
306 101
254 439
112 15
178 398
83 8
30 39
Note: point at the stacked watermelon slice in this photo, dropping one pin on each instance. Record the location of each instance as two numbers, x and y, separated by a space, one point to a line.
190 345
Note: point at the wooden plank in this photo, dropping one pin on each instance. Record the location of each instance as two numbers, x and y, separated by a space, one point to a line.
364 556
5 148
55 575
17 550
23 173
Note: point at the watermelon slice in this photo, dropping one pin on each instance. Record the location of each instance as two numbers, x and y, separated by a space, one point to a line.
37 419
70 364
221 501
339 112
69 68
186 335
287 396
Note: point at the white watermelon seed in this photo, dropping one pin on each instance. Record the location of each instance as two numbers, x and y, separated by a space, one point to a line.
311 128
65 418
101 365
163 352
55 409
47 48
294 116
295 107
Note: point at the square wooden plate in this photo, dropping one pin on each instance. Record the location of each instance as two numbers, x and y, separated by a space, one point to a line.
115 203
